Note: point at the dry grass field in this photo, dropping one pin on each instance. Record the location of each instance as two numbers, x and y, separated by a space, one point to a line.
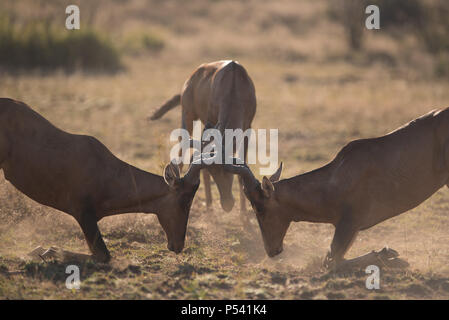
309 86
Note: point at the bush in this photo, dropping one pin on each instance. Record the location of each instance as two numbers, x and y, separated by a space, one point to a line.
435 32
351 14
403 13
137 42
38 45
393 13
426 20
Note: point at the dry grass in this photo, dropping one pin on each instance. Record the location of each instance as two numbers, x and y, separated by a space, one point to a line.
308 85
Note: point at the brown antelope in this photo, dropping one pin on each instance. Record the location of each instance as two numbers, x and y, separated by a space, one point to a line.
78 175
221 94
369 181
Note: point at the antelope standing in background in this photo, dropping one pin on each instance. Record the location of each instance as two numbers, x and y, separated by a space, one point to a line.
78 175
369 181
222 95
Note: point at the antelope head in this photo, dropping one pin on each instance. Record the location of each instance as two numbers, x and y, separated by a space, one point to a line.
174 213
262 196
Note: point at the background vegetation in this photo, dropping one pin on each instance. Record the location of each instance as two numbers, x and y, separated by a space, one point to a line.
311 83
426 21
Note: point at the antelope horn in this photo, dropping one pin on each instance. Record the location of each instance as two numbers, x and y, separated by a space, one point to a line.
193 174
194 143
249 180
275 177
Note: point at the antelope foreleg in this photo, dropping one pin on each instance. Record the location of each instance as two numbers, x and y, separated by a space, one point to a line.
242 193
242 196
344 236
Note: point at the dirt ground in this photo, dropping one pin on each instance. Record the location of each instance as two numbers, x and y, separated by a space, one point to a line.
306 87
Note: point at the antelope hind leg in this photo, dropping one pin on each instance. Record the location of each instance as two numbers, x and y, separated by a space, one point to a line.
242 197
384 258
55 253
207 188
64 255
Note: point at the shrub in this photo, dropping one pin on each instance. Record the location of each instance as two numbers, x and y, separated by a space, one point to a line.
38 45
404 13
435 32
428 21
350 14
137 42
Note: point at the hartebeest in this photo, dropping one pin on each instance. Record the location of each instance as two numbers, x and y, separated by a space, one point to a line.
222 95
78 175
369 181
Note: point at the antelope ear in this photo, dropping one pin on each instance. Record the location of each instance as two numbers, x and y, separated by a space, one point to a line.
267 187
171 174
275 177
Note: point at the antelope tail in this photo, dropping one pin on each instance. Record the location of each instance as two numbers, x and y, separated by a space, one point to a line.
167 106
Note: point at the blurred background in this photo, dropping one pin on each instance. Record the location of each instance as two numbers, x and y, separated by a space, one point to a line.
307 58
413 33
321 78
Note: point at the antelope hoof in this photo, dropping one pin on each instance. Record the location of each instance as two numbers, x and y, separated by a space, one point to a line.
388 253
51 253
227 205
37 252
329 263
275 252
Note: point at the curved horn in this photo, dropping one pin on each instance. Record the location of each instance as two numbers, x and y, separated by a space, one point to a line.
193 174
249 180
194 143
